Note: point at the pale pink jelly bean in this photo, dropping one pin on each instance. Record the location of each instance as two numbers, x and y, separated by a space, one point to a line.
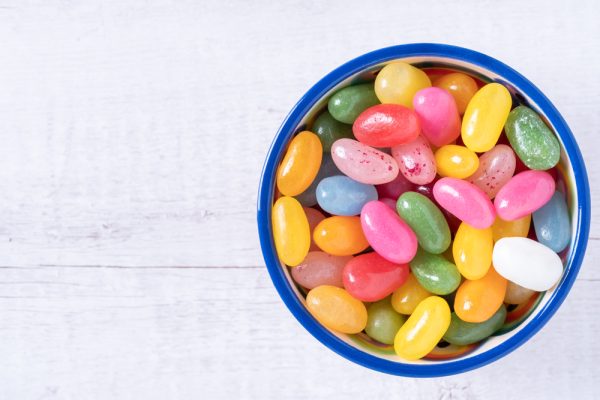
523 194
437 112
496 167
387 234
363 163
320 268
416 161
465 201
314 217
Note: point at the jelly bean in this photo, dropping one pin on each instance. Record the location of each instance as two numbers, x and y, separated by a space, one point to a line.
426 220
388 202
517 228
389 236
478 300
496 167
525 193
465 201
340 195
516 294
386 125
328 168
370 277
329 129
436 274
427 191
340 236
337 309
291 232
314 217
363 163
438 115
395 188
423 329
456 161
416 161
398 82
319 268
485 116
472 251
532 140
408 296
300 164
347 104
383 322
551 223
461 86
527 263
462 333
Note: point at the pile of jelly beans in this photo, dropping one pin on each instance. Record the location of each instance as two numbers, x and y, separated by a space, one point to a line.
405 212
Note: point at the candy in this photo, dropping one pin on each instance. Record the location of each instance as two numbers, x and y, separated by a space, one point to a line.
438 115
395 188
462 333
383 322
328 129
525 193
517 228
389 235
527 263
336 309
496 167
386 125
426 220
516 294
416 161
328 168
363 163
319 268
485 117
291 232
408 296
388 202
427 191
398 82
340 236
462 87
300 164
340 195
435 273
370 277
478 300
423 329
314 217
532 140
347 104
551 223
456 161
465 201
472 251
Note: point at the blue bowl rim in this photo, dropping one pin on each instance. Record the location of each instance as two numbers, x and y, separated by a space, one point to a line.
267 186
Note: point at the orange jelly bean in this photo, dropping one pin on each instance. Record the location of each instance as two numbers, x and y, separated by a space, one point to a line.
340 236
291 232
337 309
516 228
461 86
478 300
300 164
408 296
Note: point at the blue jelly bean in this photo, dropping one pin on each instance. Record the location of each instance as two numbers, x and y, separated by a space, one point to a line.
551 222
340 195
328 168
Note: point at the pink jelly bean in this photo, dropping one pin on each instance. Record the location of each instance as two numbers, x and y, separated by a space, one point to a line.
465 201
395 188
314 217
389 202
363 163
416 161
387 234
436 109
496 167
320 268
523 194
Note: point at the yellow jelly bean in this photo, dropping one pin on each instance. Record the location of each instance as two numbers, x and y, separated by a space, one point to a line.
478 300
516 228
485 117
340 236
462 87
456 161
300 164
472 251
408 296
423 329
398 82
291 231
337 309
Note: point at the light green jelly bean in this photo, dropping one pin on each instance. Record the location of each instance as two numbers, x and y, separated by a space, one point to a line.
426 220
328 129
383 321
435 273
535 144
463 333
347 104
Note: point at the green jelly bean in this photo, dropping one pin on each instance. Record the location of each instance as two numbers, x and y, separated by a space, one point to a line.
462 333
435 273
347 104
383 321
535 144
426 220
328 129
